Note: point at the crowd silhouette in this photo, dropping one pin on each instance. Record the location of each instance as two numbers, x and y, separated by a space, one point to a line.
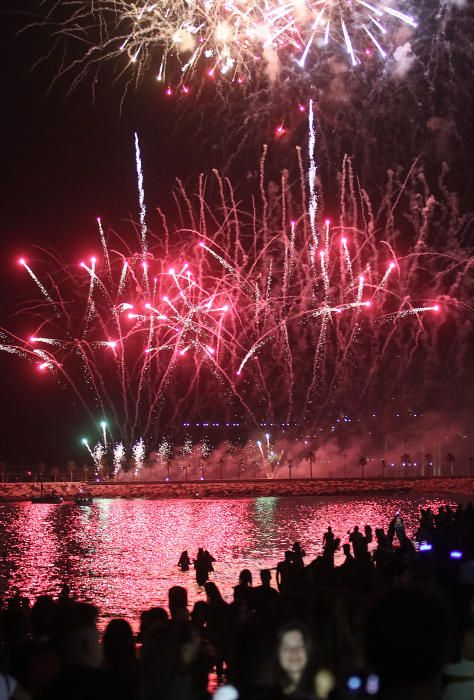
394 620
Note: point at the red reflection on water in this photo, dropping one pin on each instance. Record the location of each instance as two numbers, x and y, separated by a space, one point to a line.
122 554
29 549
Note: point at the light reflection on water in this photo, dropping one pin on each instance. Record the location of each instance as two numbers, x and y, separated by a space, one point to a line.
121 554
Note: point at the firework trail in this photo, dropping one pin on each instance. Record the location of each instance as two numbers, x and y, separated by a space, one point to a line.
141 200
313 201
41 286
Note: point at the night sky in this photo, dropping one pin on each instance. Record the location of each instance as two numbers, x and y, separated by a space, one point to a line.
67 158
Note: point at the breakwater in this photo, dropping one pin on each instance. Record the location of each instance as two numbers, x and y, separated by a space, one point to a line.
245 488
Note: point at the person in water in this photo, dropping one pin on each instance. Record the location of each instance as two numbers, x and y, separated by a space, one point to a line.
203 566
184 561
328 538
209 560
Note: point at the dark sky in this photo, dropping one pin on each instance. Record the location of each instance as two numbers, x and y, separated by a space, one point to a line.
65 160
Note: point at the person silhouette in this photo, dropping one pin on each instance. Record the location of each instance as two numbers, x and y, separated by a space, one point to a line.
209 560
328 537
396 527
184 561
243 590
298 555
264 597
285 571
359 545
330 549
203 566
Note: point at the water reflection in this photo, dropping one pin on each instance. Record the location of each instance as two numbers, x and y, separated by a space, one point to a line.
122 554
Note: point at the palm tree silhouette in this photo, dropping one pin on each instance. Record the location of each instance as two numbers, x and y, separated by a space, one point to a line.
362 465
428 463
450 459
311 458
290 467
71 468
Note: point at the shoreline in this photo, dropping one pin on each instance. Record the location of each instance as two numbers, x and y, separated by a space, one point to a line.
23 491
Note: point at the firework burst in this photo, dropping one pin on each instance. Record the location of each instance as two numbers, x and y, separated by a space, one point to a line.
234 39
264 314
270 458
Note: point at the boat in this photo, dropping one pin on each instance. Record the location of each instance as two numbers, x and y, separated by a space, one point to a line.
83 499
45 497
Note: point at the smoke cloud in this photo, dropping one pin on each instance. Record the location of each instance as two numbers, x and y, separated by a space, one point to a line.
425 443
404 59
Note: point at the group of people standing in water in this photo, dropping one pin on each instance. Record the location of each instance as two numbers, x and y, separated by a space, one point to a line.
203 564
